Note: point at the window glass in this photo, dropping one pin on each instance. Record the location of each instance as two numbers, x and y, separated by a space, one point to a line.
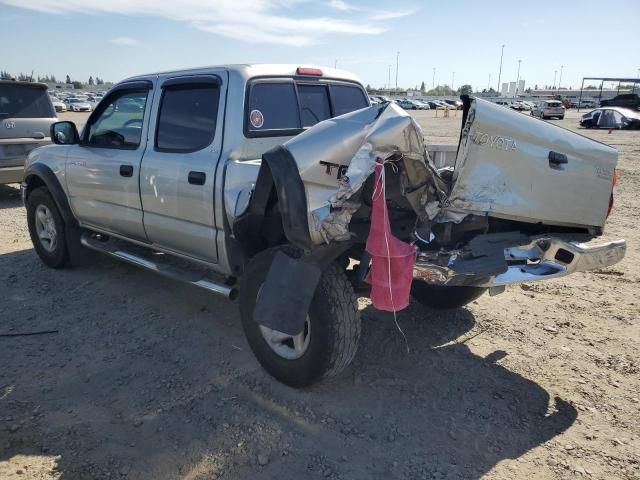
347 99
22 101
314 104
119 125
187 119
273 106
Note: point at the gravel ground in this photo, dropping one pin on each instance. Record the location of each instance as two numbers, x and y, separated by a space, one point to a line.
150 379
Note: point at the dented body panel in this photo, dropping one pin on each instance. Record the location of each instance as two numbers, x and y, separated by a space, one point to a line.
503 169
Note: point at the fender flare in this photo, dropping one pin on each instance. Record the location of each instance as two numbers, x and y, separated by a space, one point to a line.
278 177
46 175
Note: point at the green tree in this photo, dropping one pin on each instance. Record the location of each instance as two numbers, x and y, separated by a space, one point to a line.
422 87
90 80
465 90
77 85
68 80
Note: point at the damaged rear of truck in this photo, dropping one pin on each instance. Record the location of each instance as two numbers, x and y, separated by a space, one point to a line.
519 201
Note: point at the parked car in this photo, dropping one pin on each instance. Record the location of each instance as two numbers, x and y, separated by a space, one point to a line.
382 98
373 100
438 105
611 117
457 104
220 172
627 100
79 105
548 109
407 104
422 105
59 106
26 114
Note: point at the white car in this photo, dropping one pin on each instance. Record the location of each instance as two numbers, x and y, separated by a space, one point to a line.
78 105
58 105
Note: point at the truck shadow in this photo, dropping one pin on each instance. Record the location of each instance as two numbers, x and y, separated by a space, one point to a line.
10 196
150 379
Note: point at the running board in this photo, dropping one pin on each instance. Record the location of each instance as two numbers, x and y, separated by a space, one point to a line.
195 276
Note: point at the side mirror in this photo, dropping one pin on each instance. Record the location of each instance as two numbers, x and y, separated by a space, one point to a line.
64 133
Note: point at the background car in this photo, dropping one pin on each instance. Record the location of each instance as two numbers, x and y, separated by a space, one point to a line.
611 117
407 104
628 100
423 105
58 105
79 105
373 100
454 103
548 109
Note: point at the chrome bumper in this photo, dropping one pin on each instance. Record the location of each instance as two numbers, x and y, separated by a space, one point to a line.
543 258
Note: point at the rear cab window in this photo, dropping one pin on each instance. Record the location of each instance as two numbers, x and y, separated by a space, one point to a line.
24 101
286 106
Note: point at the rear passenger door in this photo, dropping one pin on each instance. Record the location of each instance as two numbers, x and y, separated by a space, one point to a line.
178 170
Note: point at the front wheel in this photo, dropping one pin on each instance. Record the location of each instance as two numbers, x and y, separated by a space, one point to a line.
46 228
441 297
330 337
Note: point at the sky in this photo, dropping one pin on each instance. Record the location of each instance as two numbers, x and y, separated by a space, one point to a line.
462 40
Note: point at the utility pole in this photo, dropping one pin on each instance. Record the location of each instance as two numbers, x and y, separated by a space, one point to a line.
489 83
500 71
555 72
397 60
518 78
433 81
389 80
453 76
560 81
335 63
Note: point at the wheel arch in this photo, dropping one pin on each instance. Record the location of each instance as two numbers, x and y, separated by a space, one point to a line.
40 175
279 196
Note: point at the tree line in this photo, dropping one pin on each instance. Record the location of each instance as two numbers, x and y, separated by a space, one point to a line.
22 77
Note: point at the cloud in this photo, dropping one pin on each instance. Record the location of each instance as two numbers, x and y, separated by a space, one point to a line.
281 22
125 41
340 5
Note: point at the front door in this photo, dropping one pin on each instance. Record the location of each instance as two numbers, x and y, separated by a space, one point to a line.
178 169
103 170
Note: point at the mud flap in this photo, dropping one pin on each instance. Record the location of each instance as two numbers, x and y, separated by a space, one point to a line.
284 300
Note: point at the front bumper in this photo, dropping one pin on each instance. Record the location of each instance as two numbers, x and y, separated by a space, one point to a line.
543 258
11 174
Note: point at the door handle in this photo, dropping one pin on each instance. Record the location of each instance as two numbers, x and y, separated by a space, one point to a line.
126 170
197 178
556 159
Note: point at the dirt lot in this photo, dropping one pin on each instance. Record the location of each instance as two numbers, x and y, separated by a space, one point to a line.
150 379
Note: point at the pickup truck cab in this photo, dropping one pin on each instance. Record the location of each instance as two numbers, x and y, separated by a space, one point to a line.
256 181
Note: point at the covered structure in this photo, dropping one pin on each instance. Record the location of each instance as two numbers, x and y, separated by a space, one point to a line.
633 81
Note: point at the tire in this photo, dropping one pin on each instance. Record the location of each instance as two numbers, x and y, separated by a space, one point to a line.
442 298
44 220
333 328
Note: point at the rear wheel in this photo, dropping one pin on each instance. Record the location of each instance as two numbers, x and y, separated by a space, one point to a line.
441 297
331 333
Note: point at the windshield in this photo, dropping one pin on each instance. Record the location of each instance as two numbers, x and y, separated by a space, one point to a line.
24 101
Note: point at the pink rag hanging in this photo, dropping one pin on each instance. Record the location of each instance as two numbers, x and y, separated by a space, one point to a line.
392 260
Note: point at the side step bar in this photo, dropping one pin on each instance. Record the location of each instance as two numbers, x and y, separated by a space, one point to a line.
195 277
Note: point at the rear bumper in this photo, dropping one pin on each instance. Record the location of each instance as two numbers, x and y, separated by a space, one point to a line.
541 259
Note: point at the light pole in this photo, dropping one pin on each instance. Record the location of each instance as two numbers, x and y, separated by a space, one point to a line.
518 78
500 71
453 76
389 80
397 60
560 81
489 83
335 63
433 81
555 72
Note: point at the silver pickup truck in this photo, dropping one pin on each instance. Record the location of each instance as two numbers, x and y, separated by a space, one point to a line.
256 181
